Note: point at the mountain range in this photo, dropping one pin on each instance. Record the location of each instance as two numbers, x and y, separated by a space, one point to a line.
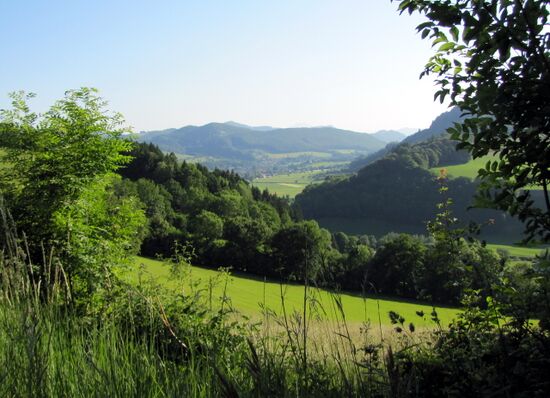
233 140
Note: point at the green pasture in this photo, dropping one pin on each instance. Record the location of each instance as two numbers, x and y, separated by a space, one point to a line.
287 184
249 295
468 170
471 168
334 165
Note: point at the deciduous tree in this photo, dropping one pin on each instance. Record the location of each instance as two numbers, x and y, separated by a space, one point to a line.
492 60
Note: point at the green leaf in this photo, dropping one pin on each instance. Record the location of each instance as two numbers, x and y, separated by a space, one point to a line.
454 33
446 47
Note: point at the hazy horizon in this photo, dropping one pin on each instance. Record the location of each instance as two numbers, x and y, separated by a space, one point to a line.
404 130
353 65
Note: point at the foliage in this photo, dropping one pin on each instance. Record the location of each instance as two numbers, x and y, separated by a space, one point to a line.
395 266
58 186
103 232
482 354
54 157
492 60
301 250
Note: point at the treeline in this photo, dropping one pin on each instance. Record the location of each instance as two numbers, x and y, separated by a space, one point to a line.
434 152
415 267
436 131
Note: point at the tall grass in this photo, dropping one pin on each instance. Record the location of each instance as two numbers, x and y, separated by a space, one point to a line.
145 341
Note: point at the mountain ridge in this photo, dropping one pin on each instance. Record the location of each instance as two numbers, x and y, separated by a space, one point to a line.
235 140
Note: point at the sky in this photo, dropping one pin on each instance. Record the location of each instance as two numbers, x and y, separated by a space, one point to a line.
169 63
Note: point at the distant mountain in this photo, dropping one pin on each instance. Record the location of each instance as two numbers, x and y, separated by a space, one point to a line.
438 127
408 130
389 136
257 128
236 141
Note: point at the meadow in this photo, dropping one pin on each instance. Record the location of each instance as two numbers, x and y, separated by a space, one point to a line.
250 296
287 184
468 170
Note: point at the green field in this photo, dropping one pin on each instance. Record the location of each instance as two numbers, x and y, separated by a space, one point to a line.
248 295
468 170
287 184
518 251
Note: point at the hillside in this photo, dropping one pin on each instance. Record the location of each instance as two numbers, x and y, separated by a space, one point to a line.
399 193
437 128
467 169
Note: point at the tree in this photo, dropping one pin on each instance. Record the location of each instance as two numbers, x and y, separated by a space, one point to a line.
53 158
58 183
492 61
104 230
395 264
301 250
207 226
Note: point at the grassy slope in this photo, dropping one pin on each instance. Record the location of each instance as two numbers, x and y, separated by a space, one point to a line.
469 169
247 296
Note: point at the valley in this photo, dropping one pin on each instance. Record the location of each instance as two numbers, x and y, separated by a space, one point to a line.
289 185
258 151
378 228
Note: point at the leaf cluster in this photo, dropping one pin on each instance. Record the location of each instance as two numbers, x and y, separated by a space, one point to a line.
492 60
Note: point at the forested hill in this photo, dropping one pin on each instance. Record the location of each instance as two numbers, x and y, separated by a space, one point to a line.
188 203
437 128
397 189
220 220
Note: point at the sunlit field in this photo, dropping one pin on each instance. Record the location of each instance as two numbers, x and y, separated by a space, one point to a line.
251 296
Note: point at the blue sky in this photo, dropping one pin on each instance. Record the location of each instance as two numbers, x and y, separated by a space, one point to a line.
351 64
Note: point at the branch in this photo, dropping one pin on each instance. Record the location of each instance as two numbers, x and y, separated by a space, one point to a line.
546 197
